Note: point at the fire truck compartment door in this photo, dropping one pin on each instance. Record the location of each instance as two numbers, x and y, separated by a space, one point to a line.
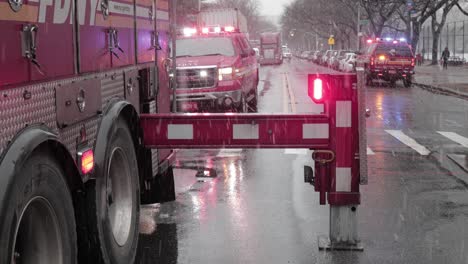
147 38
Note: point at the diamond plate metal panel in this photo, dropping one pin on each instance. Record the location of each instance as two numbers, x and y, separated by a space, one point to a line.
112 86
36 104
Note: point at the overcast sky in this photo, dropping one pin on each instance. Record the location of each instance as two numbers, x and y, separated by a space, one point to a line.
273 7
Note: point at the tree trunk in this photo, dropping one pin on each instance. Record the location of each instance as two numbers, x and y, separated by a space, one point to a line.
435 46
416 33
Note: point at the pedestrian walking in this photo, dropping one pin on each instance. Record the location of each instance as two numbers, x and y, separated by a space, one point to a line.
445 57
423 55
419 59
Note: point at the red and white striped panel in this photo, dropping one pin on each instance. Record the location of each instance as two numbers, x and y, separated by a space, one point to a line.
344 150
235 131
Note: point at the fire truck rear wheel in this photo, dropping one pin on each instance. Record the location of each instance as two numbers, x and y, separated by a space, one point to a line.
115 199
407 82
39 223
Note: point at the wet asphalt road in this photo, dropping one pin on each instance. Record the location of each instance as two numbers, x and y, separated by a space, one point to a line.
258 210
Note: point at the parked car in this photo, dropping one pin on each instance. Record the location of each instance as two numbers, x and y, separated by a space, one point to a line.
324 58
348 64
317 55
331 58
335 60
304 54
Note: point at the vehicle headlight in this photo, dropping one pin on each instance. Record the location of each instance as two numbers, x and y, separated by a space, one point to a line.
225 74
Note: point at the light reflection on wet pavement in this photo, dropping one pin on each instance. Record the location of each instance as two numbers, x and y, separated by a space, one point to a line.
258 210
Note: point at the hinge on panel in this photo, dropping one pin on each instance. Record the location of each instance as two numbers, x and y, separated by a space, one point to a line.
105 8
16 5
29 44
155 41
114 42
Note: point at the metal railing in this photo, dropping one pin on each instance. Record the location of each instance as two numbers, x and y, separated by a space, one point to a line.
454 36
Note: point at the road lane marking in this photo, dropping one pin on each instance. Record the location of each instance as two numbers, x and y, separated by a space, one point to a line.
455 137
369 151
292 98
398 134
285 95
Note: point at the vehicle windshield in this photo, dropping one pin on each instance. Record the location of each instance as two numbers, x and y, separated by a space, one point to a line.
393 49
192 47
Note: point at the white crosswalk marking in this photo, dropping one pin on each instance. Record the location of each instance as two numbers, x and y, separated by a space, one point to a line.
369 151
398 134
455 137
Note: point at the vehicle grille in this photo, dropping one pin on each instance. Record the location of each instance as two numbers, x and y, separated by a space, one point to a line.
192 78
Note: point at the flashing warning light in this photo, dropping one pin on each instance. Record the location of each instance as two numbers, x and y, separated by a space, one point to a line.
395 42
190 31
205 30
217 29
318 89
229 28
388 39
87 161
402 40
369 41
382 57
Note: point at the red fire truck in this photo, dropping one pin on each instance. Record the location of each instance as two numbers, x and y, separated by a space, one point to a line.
74 78
216 71
85 128
389 60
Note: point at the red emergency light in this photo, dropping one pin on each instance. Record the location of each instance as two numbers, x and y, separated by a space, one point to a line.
229 29
86 161
317 87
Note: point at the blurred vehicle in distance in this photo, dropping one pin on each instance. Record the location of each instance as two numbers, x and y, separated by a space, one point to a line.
270 48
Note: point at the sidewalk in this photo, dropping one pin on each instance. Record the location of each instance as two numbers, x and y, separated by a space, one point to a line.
453 81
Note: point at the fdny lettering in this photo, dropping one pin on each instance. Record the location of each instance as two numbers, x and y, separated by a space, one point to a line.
62 11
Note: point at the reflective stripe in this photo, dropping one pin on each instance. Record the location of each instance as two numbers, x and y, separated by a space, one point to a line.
343 113
245 132
315 131
121 8
343 179
179 131
144 12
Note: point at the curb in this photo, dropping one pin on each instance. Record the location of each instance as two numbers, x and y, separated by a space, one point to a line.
442 90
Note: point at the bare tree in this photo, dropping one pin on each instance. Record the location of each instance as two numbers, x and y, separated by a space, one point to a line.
437 27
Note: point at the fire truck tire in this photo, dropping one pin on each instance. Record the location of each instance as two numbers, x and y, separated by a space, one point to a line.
407 82
114 199
39 222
